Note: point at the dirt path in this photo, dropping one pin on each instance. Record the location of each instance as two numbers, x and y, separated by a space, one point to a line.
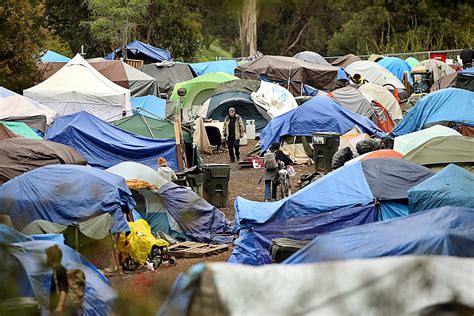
142 292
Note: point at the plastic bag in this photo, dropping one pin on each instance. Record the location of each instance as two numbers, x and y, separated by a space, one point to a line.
367 145
341 157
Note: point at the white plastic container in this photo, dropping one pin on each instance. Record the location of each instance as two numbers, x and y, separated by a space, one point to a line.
250 129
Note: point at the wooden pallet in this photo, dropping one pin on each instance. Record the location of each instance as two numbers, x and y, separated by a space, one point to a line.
191 249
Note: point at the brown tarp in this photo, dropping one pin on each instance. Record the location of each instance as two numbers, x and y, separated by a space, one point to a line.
112 70
345 61
444 82
6 133
466 130
20 155
290 73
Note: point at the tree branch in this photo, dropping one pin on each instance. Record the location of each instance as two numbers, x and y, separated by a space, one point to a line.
298 37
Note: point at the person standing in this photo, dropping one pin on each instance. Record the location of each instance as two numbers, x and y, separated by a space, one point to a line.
271 162
59 282
466 57
165 171
233 131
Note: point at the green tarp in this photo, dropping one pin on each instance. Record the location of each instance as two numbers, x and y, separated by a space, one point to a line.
412 61
21 128
440 151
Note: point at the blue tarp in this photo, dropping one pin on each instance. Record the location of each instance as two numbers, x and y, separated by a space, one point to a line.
194 215
98 294
319 114
391 209
344 187
467 71
446 231
135 48
452 186
54 57
226 66
253 245
66 194
452 104
396 66
104 145
178 301
35 277
154 107
341 74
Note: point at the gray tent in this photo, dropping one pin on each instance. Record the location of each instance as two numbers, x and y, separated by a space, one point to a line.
290 73
346 60
312 57
140 84
36 121
168 74
351 98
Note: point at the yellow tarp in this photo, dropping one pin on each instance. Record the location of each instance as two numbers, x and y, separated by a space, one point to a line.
139 242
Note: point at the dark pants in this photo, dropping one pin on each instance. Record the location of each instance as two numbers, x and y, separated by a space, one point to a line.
233 145
270 190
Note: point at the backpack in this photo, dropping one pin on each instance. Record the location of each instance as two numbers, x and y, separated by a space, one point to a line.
269 161
76 282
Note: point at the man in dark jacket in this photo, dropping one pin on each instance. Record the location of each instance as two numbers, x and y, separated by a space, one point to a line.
466 57
233 131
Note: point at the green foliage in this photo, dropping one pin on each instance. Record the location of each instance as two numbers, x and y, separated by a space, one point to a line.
196 30
22 36
53 42
113 22
66 19
213 52
174 25
418 26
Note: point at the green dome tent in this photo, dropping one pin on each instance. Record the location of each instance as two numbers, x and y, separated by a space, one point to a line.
412 61
198 90
438 152
149 127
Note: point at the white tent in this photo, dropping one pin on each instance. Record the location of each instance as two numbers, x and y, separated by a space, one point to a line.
405 143
374 73
380 94
15 105
275 99
77 86
404 285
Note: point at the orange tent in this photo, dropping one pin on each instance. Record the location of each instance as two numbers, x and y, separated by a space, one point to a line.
383 153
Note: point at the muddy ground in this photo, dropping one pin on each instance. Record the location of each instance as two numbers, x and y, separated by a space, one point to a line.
142 292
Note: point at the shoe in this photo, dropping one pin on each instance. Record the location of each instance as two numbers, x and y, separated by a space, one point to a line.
232 160
267 200
238 158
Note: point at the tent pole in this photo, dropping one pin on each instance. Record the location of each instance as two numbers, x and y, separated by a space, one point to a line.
114 252
146 124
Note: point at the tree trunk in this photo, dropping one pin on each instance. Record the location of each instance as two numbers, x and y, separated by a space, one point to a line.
248 28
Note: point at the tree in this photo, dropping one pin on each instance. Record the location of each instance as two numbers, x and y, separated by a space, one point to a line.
114 23
66 20
174 25
248 28
22 36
